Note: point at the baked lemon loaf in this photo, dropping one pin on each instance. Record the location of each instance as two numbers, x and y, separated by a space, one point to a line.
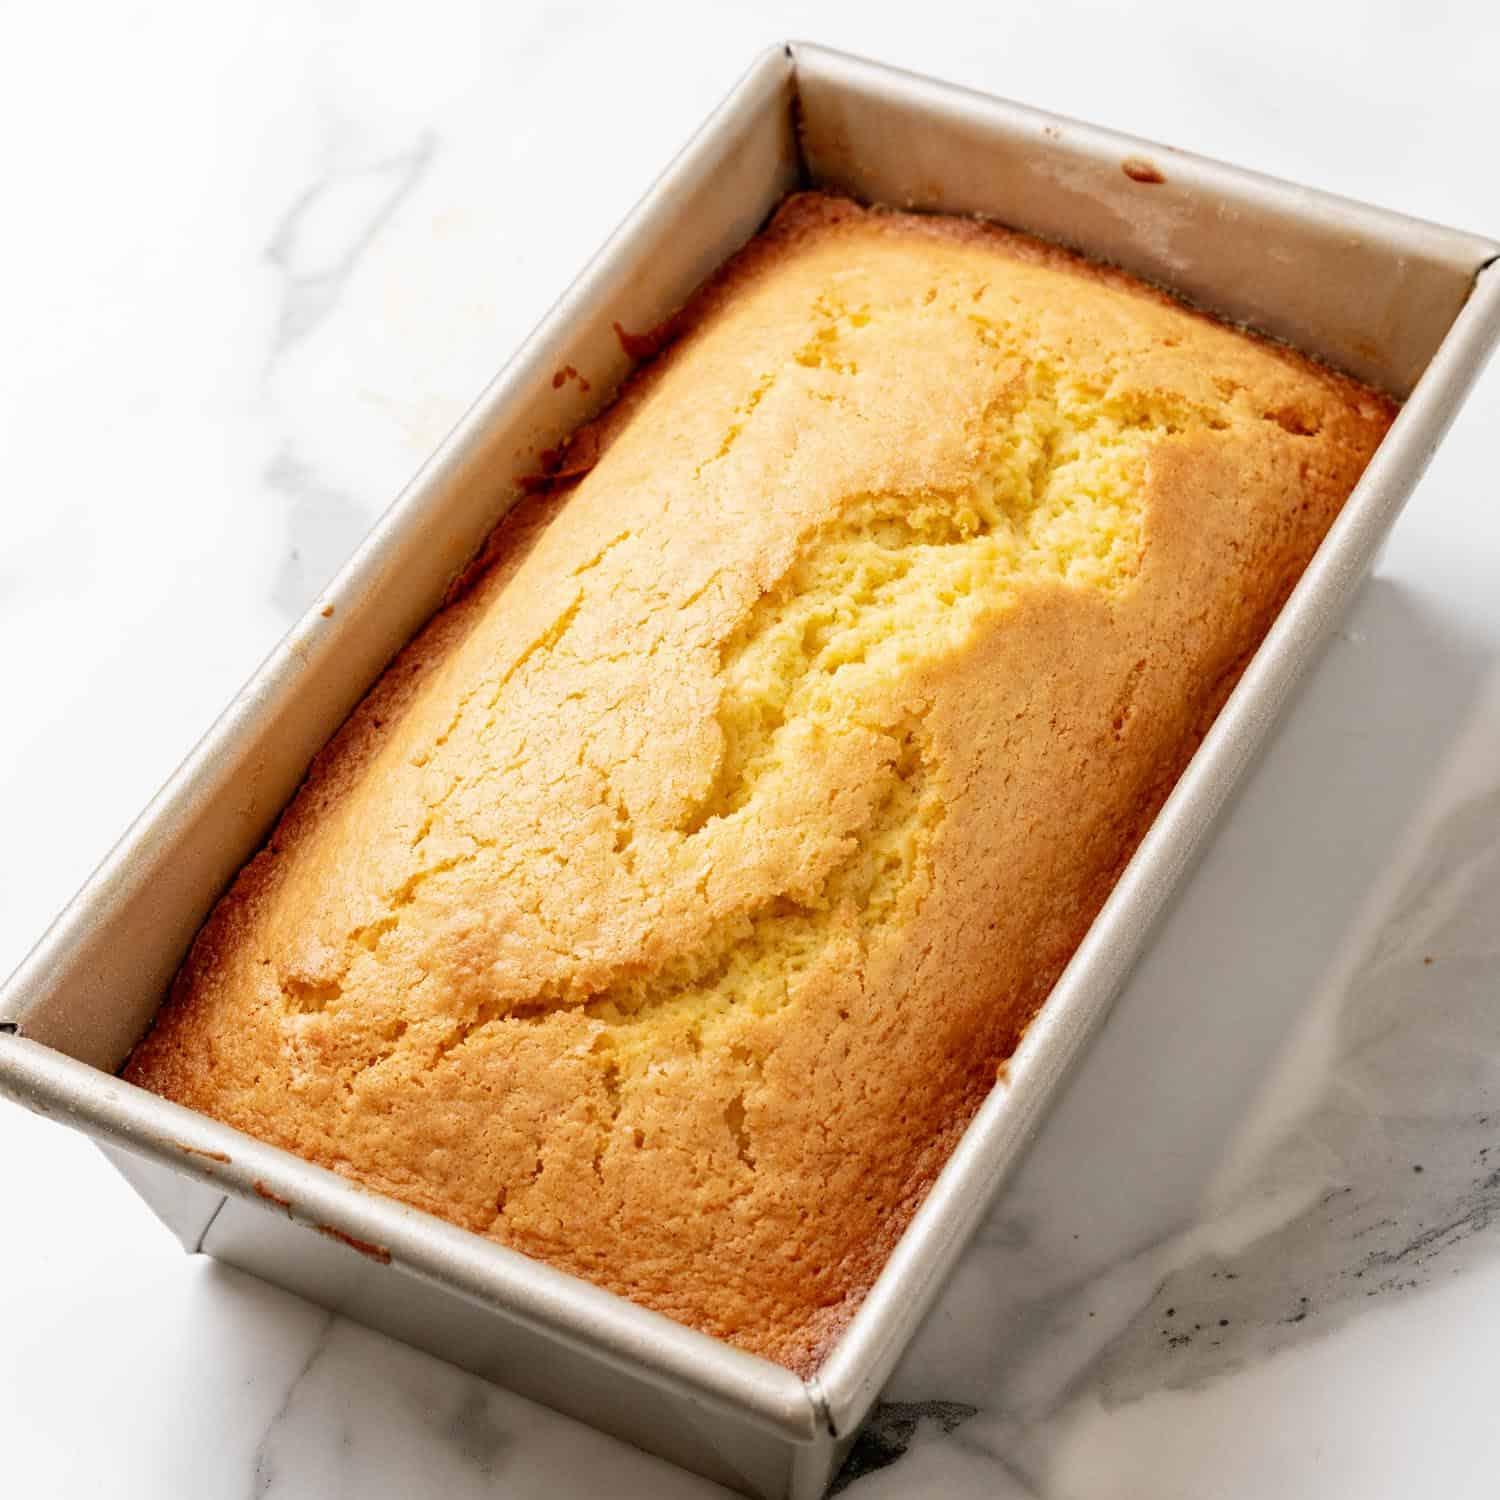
667 909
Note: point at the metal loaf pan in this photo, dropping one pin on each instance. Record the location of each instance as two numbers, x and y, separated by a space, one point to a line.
1406 305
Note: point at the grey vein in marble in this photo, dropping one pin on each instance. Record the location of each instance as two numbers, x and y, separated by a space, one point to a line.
889 1432
321 237
263 1473
354 1394
324 525
1405 1142
366 1415
316 247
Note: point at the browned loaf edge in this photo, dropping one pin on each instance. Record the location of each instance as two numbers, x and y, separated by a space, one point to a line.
667 908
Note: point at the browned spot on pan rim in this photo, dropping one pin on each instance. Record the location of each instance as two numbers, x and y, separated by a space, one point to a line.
263 1191
364 1247
1138 169
199 1151
648 345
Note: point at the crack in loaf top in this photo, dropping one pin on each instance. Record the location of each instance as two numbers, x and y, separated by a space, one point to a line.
667 909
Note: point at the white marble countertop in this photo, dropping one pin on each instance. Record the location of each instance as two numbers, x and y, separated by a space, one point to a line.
258 259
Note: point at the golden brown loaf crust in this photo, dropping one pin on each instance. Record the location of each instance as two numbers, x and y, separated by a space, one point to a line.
666 910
